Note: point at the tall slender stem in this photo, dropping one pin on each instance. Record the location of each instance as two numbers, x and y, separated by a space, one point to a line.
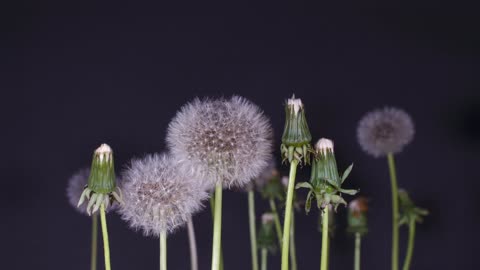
163 250
324 258
393 179
293 252
217 227
253 229
264 259
288 214
212 207
411 242
358 238
106 245
93 256
193 244
276 218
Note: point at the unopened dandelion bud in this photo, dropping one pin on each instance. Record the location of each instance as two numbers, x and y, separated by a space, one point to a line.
357 216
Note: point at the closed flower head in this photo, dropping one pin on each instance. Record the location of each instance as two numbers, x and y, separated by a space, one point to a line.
226 140
157 198
385 131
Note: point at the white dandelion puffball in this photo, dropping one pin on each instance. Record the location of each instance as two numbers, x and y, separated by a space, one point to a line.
385 131
156 197
76 185
228 140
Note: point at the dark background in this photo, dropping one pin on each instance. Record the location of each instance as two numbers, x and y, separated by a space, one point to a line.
74 75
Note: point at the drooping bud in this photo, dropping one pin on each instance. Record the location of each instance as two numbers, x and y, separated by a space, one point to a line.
296 134
266 235
409 212
357 216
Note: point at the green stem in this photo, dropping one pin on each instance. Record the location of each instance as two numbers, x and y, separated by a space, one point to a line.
395 214
217 227
293 253
192 244
288 214
358 239
411 242
93 257
253 229
324 258
212 207
106 246
264 258
163 250
276 218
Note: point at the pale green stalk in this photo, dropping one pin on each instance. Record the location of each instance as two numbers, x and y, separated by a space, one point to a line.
212 208
192 244
411 242
395 212
358 238
93 257
163 250
217 227
253 229
276 218
288 214
293 252
264 258
324 258
106 246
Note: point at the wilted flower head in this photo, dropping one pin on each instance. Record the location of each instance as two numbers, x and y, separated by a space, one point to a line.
385 131
157 198
226 140
76 185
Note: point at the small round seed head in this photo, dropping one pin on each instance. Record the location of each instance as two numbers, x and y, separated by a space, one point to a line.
157 198
228 140
385 131
75 187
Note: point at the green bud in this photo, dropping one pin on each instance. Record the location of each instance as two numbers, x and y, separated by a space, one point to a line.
357 216
408 210
324 167
267 235
296 134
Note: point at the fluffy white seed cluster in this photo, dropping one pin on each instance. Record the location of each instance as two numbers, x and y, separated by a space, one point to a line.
228 140
385 131
157 198
75 187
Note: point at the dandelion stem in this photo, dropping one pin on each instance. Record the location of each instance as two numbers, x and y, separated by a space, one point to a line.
212 207
293 252
288 214
253 229
411 242
163 250
264 258
93 256
324 256
393 179
217 227
106 246
193 244
276 218
358 238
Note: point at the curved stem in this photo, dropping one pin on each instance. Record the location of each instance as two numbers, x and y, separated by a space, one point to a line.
276 218
106 246
212 207
293 253
264 258
217 227
358 239
253 229
93 257
393 179
163 250
193 244
288 214
324 258
411 242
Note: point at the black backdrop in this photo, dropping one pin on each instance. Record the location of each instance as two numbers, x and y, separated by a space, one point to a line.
75 75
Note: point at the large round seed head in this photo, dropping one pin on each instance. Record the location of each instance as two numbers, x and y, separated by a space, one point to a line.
76 185
385 131
156 197
228 140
